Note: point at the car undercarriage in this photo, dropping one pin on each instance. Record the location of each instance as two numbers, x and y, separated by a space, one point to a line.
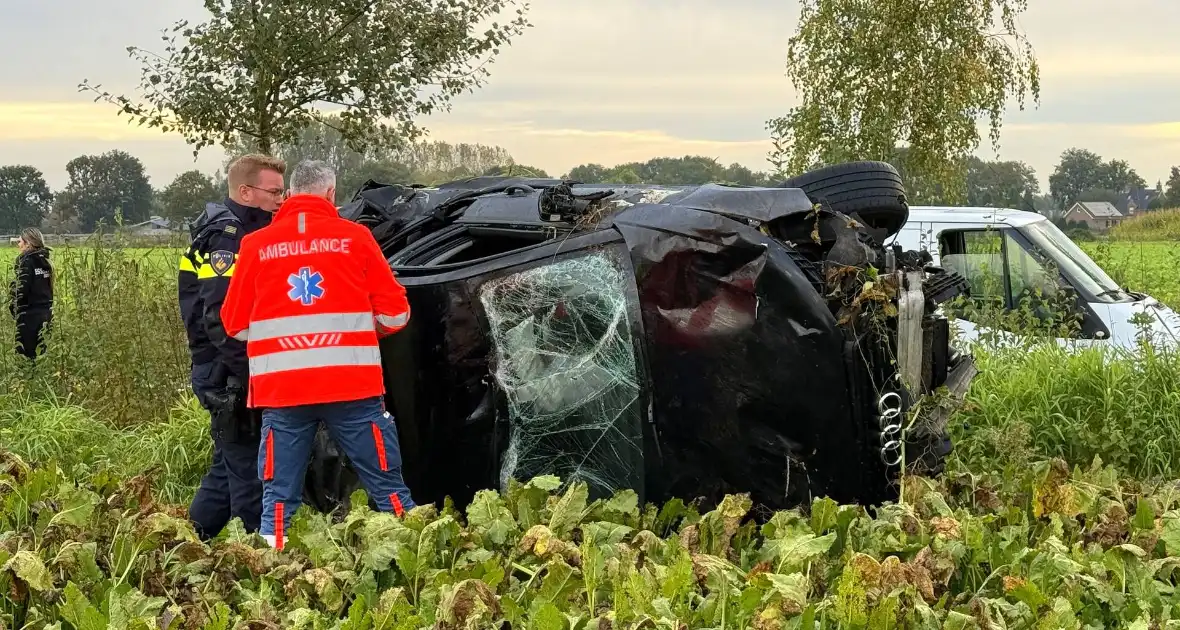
685 342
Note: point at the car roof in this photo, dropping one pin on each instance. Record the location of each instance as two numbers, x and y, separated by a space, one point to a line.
973 214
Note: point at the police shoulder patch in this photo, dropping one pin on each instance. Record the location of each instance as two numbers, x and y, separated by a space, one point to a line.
221 260
231 229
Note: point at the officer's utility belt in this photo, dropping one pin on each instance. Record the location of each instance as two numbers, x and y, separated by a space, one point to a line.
233 421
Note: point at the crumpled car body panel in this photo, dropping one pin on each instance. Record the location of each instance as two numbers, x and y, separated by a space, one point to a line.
745 362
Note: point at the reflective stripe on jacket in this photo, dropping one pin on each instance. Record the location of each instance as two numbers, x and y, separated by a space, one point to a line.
204 274
311 295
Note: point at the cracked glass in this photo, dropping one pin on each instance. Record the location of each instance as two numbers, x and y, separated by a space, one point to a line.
564 357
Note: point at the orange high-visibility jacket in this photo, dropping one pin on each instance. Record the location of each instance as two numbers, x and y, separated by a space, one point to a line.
310 297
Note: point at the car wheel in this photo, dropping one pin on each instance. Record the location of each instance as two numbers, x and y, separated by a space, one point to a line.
871 190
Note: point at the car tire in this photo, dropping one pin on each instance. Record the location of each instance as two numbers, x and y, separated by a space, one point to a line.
871 190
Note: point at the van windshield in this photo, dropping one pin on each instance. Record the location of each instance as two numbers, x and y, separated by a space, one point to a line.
1071 259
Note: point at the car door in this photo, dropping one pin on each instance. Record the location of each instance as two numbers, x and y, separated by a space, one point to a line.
1014 289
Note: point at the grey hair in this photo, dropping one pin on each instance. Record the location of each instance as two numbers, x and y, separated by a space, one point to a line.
312 177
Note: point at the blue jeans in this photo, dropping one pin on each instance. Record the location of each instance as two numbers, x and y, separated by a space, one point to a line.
362 429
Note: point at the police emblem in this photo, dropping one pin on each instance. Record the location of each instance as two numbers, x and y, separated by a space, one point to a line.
221 260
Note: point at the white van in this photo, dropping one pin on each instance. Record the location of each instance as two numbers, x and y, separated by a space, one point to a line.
966 240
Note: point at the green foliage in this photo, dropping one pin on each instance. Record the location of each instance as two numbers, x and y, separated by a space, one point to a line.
1158 227
1144 266
1001 184
670 171
876 75
437 162
117 344
1043 401
512 169
175 450
266 68
1113 197
1082 175
185 198
24 198
110 188
1171 197
1038 547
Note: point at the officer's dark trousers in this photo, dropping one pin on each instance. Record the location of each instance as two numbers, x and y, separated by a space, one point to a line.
231 488
30 331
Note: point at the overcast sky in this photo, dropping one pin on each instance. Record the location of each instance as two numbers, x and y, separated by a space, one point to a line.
610 81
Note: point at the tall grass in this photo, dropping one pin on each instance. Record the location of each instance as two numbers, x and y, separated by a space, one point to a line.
1148 266
1031 404
176 450
1154 225
117 344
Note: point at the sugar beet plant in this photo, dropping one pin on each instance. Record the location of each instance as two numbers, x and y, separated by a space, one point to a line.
1046 548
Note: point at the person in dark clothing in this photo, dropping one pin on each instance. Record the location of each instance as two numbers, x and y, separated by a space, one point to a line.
220 368
32 293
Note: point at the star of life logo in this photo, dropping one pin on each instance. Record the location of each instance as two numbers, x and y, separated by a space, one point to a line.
305 286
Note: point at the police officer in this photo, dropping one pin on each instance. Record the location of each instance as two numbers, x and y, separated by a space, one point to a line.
220 369
32 293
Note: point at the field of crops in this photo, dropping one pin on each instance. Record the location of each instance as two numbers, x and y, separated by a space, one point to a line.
1047 549
1058 510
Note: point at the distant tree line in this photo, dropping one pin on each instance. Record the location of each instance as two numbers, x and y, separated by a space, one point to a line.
671 171
113 187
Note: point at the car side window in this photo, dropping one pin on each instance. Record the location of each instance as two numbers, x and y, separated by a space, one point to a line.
978 256
565 360
1028 278
1012 287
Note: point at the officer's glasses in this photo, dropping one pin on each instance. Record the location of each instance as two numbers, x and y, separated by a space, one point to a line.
273 192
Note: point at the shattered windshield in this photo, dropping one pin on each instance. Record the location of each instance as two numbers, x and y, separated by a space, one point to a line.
565 360
1071 259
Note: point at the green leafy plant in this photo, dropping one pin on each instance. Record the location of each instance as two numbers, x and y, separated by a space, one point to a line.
267 69
873 76
117 344
1078 548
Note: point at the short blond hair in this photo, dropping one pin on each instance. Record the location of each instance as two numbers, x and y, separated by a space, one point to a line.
245 169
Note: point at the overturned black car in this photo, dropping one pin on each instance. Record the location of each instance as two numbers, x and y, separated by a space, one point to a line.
679 341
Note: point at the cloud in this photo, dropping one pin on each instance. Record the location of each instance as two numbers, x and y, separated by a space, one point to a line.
612 81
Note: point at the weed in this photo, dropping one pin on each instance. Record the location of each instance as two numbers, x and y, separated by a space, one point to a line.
1045 401
176 451
117 344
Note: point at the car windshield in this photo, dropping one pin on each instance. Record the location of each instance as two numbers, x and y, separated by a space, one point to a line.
1093 280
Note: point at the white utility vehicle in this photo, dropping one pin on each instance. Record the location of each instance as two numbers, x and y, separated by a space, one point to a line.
1029 253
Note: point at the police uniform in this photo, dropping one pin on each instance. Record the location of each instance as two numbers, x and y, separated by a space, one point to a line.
231 488
32 300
